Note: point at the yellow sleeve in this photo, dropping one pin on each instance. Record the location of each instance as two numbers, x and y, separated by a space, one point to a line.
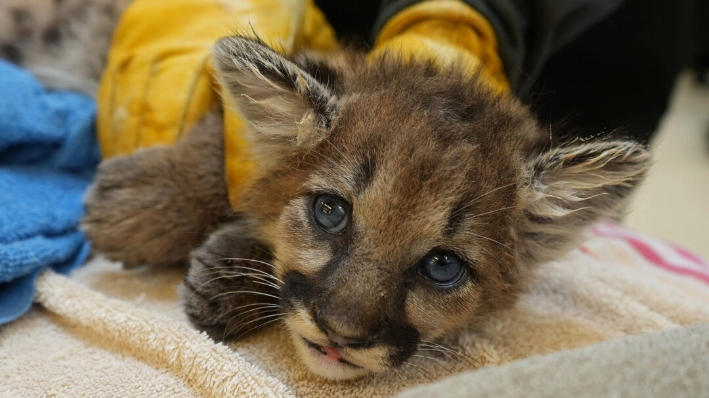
159 78
448 32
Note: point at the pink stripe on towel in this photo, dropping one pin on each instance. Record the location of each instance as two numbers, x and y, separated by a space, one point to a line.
690 256
667 256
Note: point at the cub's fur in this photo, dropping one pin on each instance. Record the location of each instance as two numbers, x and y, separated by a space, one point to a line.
424 161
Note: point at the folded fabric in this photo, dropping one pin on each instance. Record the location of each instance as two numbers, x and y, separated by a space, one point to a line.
126 335
660 364
48 151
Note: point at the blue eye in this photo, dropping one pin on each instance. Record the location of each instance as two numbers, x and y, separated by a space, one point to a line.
330 213
442 267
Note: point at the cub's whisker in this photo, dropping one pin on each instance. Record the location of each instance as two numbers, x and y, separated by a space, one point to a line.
398 373
490 212
257 279
265 311
492 240
253 304
215 297
266 283
491 191
258 327
264 273
473 201
248 259
329 160
438 361
265 308
420 370
246 292
443 349
215 270
347 160
240 325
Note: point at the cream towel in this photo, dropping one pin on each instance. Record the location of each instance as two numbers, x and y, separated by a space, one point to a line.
132 338
671 363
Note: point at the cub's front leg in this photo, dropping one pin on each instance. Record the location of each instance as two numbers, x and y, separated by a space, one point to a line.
231 288
155 206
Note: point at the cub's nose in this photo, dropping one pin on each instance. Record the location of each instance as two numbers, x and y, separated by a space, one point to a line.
344 341
351 329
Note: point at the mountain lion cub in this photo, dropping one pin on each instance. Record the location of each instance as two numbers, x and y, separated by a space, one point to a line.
395 204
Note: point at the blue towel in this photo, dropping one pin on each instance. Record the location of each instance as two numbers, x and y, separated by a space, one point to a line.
48 153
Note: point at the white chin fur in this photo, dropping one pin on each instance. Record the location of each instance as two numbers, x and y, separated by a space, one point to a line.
323 368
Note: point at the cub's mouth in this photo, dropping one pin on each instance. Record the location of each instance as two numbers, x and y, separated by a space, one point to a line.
327 360
354 345
330 353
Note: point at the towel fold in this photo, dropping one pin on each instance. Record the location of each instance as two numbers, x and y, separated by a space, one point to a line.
133 340
48 152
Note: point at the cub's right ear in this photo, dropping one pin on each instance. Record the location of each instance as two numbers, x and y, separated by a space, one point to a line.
571 187
284 105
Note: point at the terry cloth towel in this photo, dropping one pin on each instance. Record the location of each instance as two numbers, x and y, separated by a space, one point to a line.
121 333
47 152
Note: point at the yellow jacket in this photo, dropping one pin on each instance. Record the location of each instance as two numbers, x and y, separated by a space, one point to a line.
159 79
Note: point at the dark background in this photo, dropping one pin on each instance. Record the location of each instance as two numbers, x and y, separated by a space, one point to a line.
617 75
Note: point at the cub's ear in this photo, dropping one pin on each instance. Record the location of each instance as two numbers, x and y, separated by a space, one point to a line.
283 104
571 187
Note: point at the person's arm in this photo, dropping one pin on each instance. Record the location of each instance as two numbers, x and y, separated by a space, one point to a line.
159 80
527 32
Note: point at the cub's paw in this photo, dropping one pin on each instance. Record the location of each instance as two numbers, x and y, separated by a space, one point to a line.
127 210
155 206
231 289
144 209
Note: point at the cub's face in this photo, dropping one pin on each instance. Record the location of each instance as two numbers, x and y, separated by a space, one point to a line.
398 232
400 202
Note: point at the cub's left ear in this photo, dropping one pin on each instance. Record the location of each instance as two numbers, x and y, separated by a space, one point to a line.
282 103
571 187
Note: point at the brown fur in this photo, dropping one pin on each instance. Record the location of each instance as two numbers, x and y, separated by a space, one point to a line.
231 287
157 205
425 159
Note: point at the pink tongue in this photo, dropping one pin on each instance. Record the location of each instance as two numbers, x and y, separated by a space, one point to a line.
332 353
